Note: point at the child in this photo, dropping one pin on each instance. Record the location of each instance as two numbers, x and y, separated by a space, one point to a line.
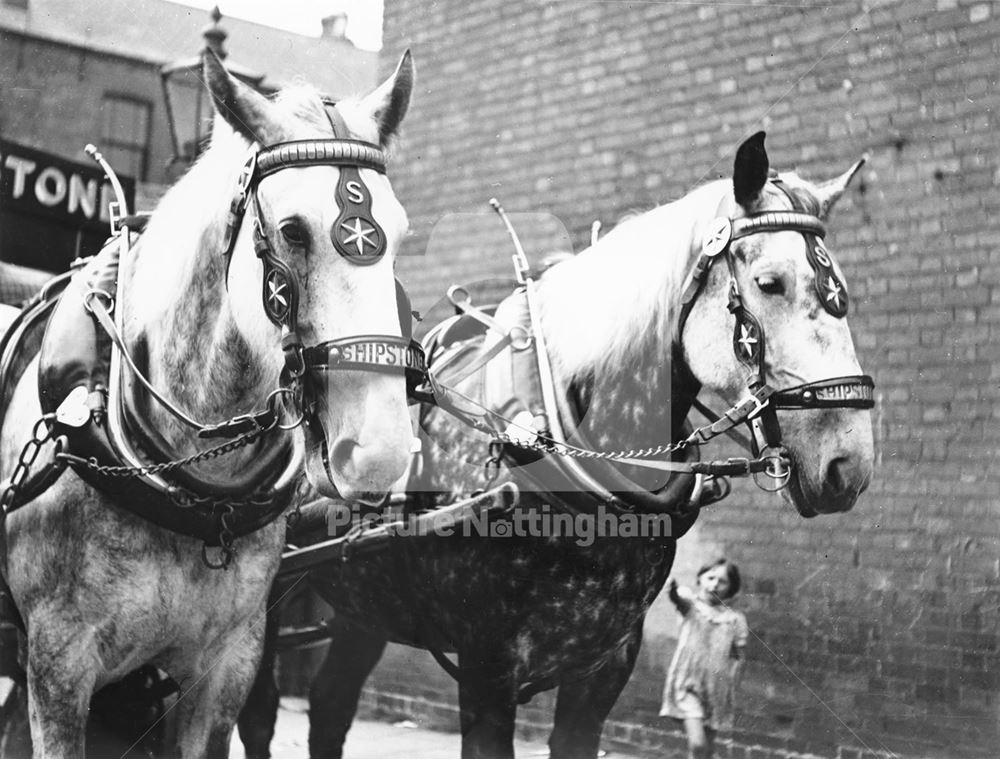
703 674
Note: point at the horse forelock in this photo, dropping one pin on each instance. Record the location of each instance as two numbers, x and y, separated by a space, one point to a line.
359 120
803 192
616 301
303 112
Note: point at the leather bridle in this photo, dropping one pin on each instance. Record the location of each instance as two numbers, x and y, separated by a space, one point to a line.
853 391
357 237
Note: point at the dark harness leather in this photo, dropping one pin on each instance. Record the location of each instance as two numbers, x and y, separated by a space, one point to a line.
76 366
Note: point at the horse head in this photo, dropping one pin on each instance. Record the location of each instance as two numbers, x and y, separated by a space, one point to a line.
316 244
776 316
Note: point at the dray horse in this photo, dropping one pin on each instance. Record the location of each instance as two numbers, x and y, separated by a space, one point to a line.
265 268
665 304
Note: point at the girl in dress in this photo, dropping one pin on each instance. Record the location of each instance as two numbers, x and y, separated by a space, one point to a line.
705 669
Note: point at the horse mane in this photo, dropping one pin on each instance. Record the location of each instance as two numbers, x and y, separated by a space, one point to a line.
614 302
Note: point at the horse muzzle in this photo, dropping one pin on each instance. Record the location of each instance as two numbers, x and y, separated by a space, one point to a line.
357 427
836 483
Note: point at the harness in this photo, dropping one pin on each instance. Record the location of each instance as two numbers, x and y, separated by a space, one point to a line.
853 391
93 402
539 438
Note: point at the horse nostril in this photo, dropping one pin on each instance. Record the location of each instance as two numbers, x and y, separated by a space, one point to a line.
342 452
843 475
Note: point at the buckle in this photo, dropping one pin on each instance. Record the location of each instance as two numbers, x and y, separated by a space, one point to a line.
760 398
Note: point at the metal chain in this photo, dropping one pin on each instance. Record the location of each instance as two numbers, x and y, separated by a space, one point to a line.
41 433
138 471
545 444
491 467
548 445
226 538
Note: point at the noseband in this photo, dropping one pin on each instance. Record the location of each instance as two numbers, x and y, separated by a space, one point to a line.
854 391
356 236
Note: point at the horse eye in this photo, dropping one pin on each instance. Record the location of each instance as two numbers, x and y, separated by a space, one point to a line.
771 285
294 233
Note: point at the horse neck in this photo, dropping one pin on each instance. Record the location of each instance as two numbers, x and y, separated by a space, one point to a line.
183 329
609 328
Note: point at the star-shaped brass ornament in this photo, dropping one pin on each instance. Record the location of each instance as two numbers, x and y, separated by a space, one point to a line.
276 294
359 234
834 291
747 340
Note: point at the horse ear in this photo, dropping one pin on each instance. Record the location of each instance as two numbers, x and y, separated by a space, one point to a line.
829 193
750 170
387 103
246 111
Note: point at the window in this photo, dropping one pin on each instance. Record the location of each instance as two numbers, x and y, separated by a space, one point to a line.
125 133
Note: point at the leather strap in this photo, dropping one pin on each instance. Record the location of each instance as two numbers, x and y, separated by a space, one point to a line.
837 392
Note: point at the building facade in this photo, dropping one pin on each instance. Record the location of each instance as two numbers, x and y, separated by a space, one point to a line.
70 76
875 633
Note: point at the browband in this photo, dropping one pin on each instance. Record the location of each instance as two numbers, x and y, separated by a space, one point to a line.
777 221
320 152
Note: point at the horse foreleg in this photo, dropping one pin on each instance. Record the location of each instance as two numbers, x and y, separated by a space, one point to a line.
212 694
256 720
333 698
583 705
61 681
487 700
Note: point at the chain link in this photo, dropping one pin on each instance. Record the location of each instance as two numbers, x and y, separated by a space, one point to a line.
125 472
491 467
226 538
548 445
41 433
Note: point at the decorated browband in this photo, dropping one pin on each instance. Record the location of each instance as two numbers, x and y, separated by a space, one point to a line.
356 234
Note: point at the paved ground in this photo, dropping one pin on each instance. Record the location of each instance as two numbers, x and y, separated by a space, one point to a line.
376 740
369 739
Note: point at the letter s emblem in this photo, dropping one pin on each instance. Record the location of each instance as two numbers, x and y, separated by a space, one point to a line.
354 193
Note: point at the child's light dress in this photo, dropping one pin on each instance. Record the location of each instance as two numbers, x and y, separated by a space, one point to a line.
700 682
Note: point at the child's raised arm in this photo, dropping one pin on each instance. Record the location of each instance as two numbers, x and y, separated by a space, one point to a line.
681 597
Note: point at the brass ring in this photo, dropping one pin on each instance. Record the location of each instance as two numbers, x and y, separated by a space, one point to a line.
520 338
95 293
272 404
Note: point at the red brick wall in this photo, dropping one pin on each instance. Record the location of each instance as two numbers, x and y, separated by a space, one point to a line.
878 628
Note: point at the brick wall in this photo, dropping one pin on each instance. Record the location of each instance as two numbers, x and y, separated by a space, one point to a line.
877 629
